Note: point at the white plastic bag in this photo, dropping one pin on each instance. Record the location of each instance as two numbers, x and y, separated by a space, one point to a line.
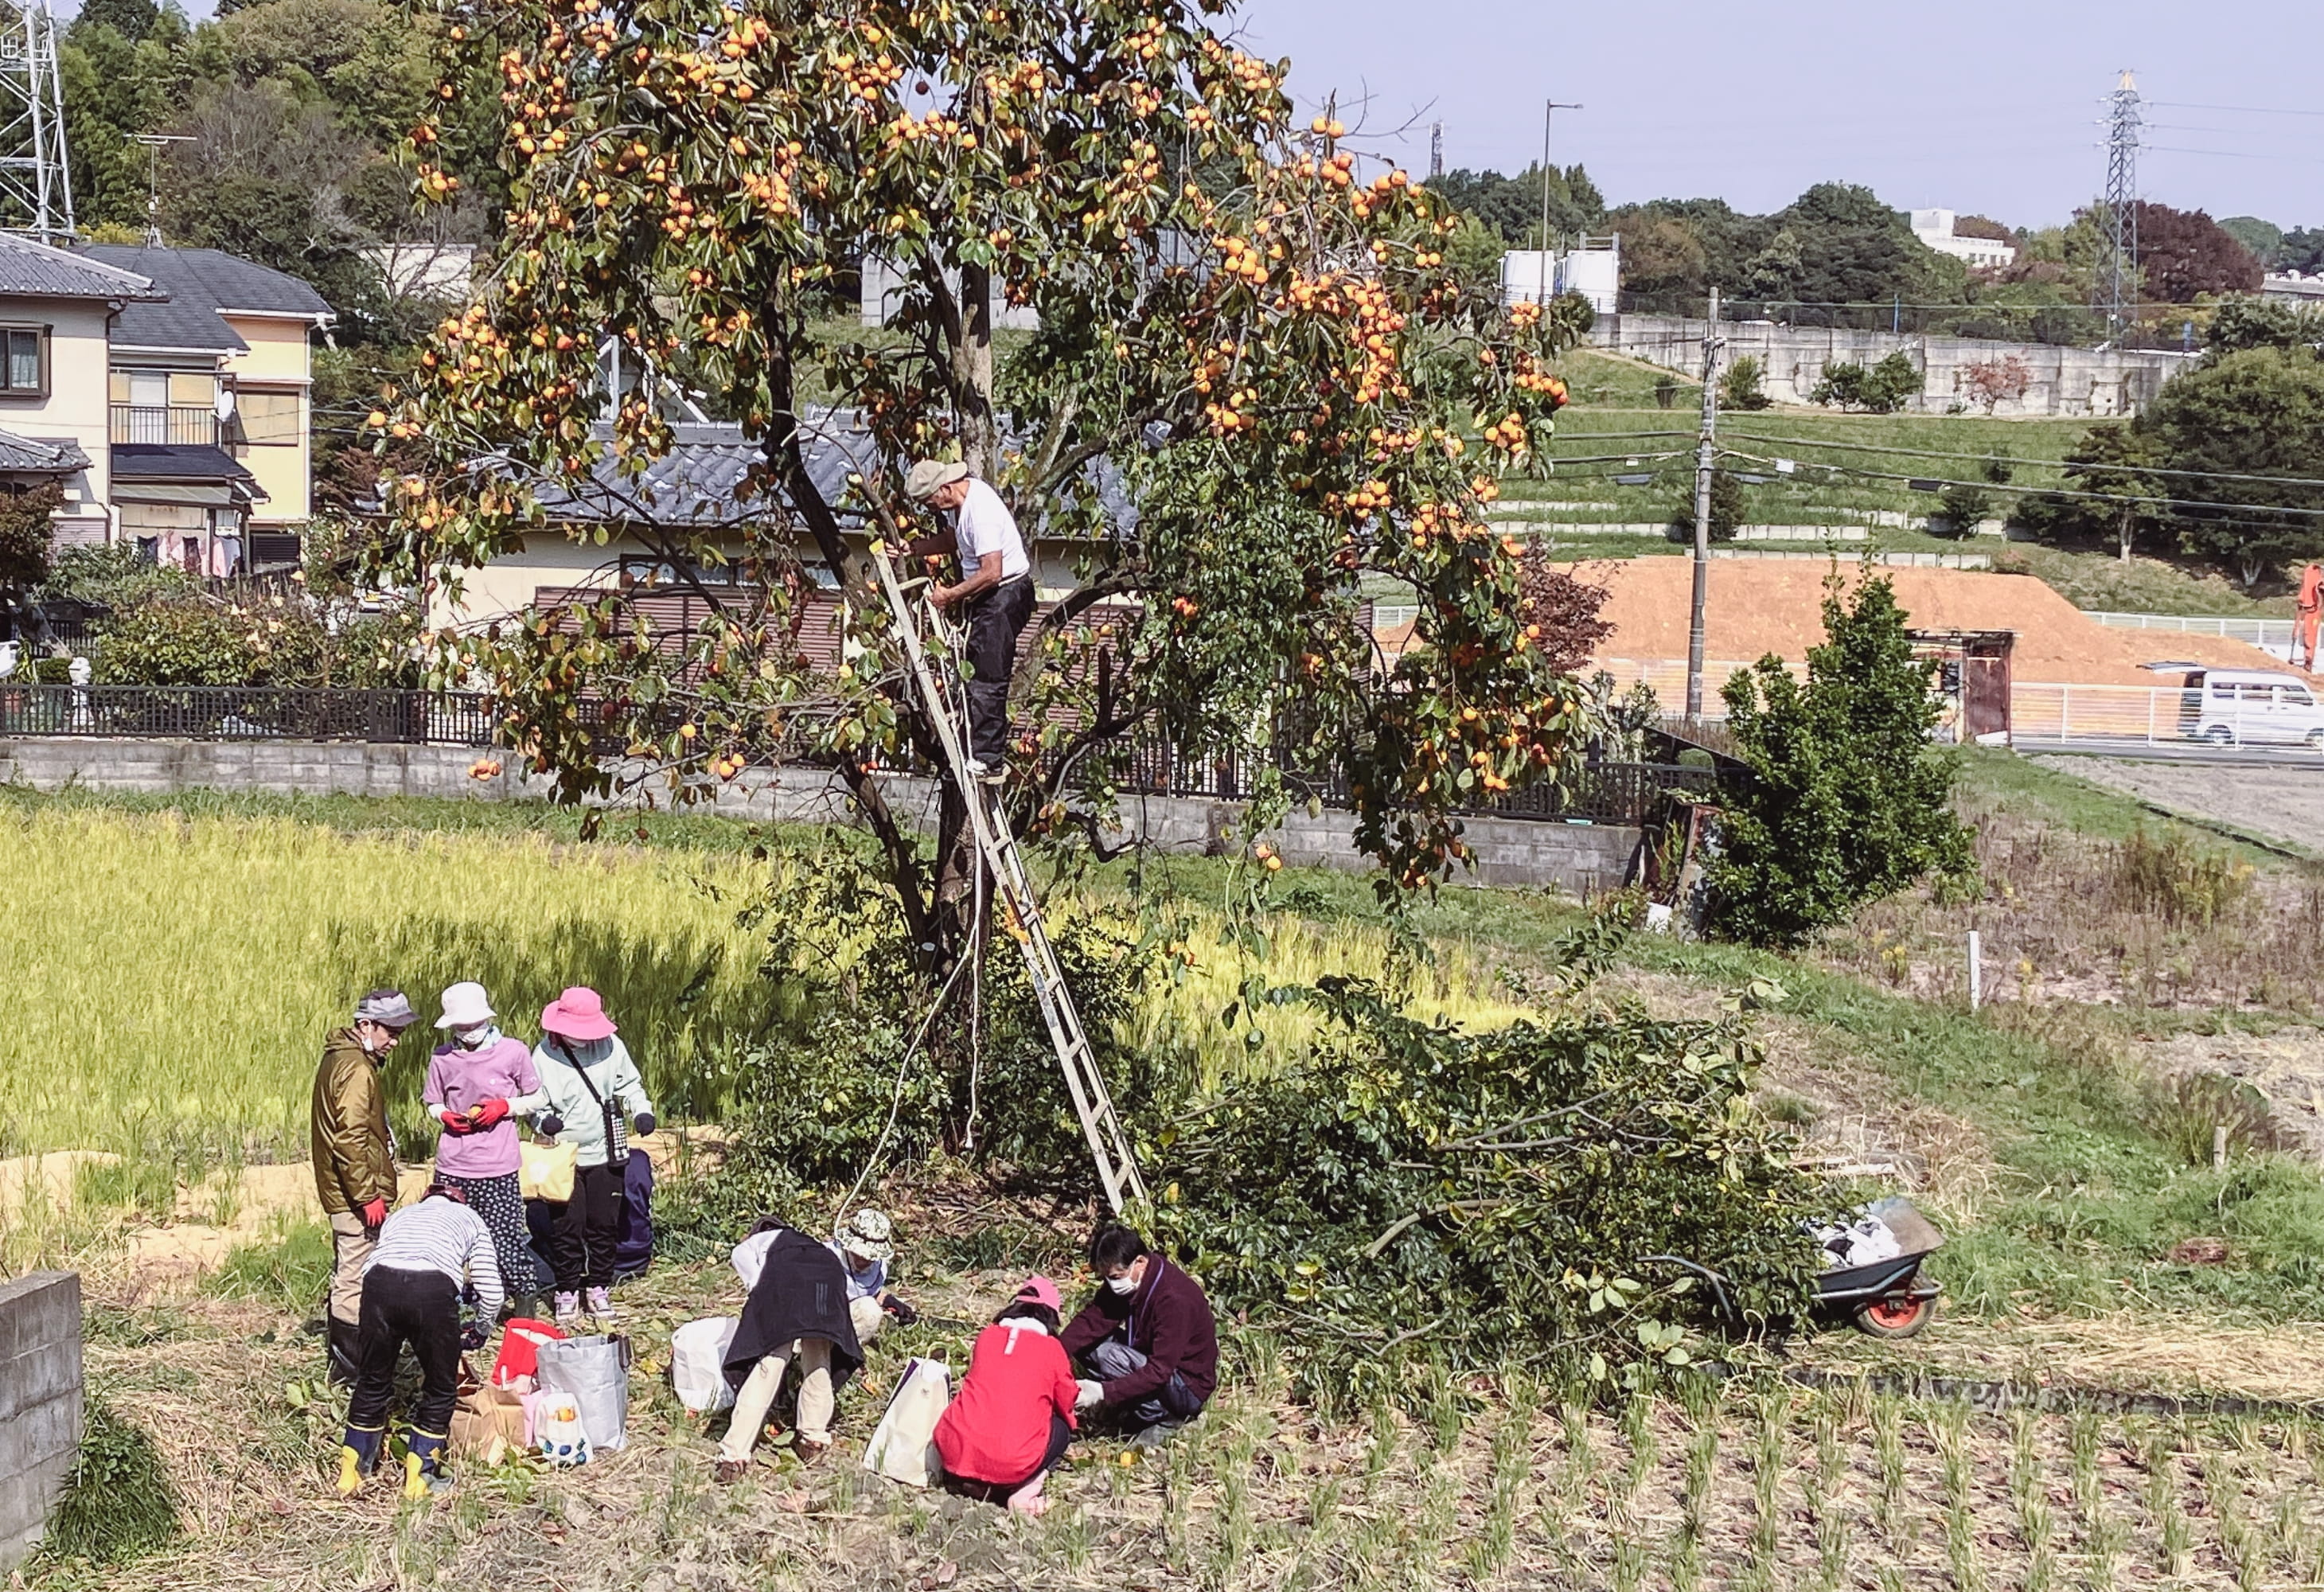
592 1374
559 1433
697 1364
903 1445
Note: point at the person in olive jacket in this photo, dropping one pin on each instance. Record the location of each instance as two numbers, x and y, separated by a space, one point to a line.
355 1157
1146 1340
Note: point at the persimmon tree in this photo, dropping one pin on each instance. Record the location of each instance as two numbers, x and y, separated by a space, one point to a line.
1257 388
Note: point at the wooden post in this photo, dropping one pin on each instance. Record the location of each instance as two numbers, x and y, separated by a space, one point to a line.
1976 971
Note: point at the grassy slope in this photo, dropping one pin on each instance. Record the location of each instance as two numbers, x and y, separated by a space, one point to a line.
1615 394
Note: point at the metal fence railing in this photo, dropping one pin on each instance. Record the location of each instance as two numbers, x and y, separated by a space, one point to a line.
257 713
2274 636
2241 714
1147 762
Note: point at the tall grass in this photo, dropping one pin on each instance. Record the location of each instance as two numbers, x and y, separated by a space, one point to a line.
171 976
170 980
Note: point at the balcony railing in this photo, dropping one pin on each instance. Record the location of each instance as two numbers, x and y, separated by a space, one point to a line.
180 425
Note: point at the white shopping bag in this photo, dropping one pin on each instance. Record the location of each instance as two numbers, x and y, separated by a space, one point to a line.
697 1364
903 1445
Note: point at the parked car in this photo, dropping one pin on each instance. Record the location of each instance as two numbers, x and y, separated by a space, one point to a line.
2233 706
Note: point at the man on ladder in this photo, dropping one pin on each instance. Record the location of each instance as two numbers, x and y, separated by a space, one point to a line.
995 595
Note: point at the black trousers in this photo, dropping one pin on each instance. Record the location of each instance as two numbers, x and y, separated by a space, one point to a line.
1060 1435
421 1309
588 1226
995 620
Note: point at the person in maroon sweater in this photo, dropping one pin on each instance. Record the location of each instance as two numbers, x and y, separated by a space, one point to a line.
1148 1339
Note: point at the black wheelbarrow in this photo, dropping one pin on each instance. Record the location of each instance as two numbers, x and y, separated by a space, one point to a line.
1887 1298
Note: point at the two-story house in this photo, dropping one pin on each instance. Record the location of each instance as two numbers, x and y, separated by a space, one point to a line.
209 422
57 312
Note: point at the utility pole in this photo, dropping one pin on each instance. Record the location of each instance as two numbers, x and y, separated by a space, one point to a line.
1435 151
1706 449
1548 111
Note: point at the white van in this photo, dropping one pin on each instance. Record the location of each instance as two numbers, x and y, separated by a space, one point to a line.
2232 707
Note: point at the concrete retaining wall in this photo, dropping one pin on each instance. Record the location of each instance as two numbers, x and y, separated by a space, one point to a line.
2092 382
1511 852
40 1404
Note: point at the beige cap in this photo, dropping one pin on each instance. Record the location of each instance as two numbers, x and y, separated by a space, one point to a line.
928 476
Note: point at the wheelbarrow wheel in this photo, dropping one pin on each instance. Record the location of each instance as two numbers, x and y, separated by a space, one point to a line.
1896 1318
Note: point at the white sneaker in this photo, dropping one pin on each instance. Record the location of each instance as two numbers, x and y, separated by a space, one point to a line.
568 1309
601 1302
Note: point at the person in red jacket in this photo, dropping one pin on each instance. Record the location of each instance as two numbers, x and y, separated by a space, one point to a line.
1147 1338
1014 1415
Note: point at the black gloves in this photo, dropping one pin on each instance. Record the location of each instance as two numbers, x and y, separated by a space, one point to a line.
552 1124
904 1313
645 1123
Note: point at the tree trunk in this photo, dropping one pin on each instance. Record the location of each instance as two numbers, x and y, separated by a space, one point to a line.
2127 531
972 373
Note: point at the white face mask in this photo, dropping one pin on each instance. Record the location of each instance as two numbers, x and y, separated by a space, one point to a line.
1122 1284
476 1039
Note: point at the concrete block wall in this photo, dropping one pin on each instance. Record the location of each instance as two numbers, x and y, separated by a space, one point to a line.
2061 380
1513 852
40 1404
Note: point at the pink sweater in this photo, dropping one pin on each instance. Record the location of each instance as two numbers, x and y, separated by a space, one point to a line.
458 1080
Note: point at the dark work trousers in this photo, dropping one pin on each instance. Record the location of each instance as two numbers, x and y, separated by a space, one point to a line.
501 1202
1060 1435
995 620
588 1226
421 1309
1172 1401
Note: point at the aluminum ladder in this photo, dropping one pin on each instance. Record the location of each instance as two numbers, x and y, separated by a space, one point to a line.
996 845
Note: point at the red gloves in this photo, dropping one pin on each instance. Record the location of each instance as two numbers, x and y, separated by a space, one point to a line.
374 1215
491 1114
454 1123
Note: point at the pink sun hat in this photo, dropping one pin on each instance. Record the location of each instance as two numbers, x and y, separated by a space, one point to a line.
579 1014
1042 1291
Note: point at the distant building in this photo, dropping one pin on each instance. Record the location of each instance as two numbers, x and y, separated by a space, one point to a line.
1936 228
2289 287
883 284
430 273
210 425
1592 267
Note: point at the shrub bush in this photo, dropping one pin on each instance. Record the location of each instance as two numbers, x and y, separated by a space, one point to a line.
1848 801
1414 1192
2186 1113
1743 387
2178 880
119 1505
1727 506
1882 389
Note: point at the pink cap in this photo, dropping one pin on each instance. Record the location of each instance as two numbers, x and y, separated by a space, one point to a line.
578 1013
1042 1291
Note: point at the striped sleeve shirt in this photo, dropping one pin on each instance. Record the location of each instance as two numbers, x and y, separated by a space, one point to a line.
442 1235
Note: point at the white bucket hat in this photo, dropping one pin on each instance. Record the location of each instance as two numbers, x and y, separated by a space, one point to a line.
465 1006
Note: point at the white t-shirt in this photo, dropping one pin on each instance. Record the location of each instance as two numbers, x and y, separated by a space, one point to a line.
984 527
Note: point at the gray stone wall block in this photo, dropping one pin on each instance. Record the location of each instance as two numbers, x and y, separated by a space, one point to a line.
40 1420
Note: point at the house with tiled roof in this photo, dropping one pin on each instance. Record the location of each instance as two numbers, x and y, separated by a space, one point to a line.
57 311
209 418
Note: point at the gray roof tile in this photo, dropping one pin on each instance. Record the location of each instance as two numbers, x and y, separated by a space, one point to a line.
37 271
160 461
30 456
201 283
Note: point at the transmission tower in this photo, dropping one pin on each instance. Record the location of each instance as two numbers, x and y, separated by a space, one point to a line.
35 175
2119 280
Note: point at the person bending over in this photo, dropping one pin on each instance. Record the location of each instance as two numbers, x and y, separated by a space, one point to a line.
1146 1339
1008 1426
798 1313
866 1246
412 1295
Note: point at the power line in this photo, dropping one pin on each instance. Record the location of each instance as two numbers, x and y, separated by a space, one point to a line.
2062 464
2173 504
2232 155
2242 110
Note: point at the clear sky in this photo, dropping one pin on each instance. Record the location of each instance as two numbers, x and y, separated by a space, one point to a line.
1978 105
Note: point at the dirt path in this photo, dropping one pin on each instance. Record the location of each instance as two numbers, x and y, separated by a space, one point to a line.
2284 804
